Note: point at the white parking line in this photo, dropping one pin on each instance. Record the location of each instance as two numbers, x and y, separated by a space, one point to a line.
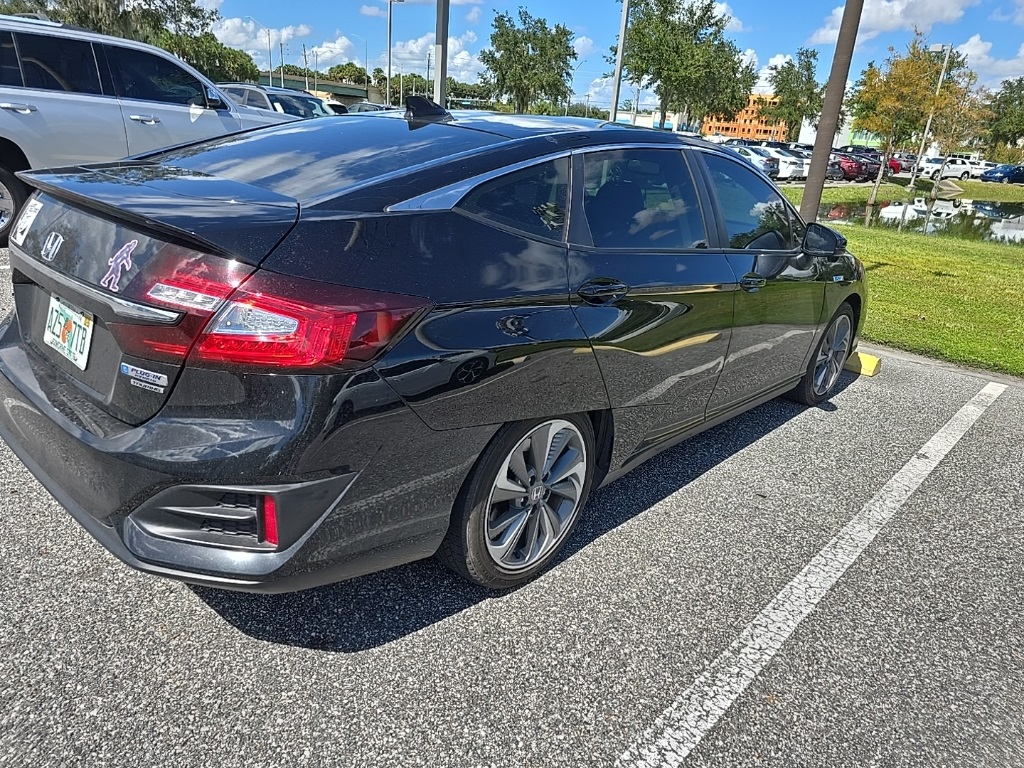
682 726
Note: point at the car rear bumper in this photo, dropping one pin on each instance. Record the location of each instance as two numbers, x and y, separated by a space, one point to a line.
390 504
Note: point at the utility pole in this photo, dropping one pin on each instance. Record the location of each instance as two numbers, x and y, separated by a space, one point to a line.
829 122
316 66
636 106
305 64
617 81
441 54
587 113
282 64
428 66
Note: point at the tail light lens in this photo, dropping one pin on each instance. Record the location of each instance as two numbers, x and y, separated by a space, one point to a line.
235 317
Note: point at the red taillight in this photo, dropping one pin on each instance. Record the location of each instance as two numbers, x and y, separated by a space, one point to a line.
231 316
285 322
270 520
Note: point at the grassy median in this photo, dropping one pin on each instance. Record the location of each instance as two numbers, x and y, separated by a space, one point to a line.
972 190
957 300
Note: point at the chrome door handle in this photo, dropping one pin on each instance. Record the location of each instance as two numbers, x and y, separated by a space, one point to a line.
14 106
752 283
603 290
145 119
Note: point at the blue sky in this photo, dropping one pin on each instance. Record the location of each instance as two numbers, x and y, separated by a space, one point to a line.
990 32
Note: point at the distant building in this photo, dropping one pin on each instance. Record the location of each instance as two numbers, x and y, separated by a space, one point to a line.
748 123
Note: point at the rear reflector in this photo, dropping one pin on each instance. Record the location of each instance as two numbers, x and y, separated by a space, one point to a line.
270 520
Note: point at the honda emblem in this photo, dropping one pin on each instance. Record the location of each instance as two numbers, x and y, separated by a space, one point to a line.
51 245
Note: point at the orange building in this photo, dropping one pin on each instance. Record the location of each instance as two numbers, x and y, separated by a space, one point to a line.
748 123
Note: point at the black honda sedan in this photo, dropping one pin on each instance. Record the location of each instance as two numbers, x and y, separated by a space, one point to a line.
296 355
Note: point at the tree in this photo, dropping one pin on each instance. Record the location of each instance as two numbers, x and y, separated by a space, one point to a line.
528 61
679 48
349 72
1006 114
893 100
798 95
211 57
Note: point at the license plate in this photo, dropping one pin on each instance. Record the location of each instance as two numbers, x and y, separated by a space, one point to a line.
69 331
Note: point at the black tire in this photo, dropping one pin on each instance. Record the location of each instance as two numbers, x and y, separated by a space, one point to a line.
804 392
935 176
11 188
1006 180
465 547
965 176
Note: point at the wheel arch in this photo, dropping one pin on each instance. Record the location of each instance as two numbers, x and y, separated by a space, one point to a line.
12 157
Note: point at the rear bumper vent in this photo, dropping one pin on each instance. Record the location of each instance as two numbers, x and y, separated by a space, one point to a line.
210 517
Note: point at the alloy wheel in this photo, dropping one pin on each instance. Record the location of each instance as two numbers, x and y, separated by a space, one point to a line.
536 496
832 355
6 206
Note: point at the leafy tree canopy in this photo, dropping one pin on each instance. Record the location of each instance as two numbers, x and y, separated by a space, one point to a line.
528 60
798 95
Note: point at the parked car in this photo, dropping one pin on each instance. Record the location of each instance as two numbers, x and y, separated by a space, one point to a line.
186 331
286 101
895 166
337 107
980 166
852 168
869 165
950 168
366 106
861 149
70 96
1005 174
835 171
758 158
906 160
801 147
791 167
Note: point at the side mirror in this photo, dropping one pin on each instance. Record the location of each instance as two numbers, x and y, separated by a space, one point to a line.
214 100
823 241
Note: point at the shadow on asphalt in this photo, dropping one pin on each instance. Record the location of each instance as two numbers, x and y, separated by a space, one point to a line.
377 609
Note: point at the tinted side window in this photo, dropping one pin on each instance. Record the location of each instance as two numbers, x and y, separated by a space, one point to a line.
532 200
141 75
643 199
257 99
10 70
58 64
756 217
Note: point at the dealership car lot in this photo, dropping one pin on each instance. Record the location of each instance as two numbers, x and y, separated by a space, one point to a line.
912 658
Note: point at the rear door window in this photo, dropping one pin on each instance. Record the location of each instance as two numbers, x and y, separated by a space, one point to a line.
58 64
643 199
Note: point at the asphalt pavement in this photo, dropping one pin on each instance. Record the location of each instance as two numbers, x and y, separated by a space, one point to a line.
912 657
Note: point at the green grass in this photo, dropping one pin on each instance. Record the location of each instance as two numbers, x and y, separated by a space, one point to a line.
952 299
972 190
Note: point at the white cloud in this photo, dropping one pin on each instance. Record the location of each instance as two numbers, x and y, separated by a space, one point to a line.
991 71
372 10
250 37
735 25
337 51
749 56
210 5
763 86
463 65
473 17
889 15
583 46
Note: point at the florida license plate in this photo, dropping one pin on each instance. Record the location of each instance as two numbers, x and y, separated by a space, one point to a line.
69 331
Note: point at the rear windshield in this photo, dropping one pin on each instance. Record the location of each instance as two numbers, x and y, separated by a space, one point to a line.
313 159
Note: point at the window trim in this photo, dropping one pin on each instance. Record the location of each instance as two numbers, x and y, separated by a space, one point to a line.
583 226
722 232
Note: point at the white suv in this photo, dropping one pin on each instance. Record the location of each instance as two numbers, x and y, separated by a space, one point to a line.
70 96
956 168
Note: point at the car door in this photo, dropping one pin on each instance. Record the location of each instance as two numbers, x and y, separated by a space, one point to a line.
782 290
162 103
53 104
654 300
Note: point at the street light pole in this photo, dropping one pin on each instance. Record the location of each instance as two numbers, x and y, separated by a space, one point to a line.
441 53
387 96
617 82
931 114
270 53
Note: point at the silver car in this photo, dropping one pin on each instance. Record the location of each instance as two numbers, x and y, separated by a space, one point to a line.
70 96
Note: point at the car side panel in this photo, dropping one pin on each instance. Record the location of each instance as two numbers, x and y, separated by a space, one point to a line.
502 344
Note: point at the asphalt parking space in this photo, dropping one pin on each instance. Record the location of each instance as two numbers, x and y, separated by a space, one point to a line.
911 659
